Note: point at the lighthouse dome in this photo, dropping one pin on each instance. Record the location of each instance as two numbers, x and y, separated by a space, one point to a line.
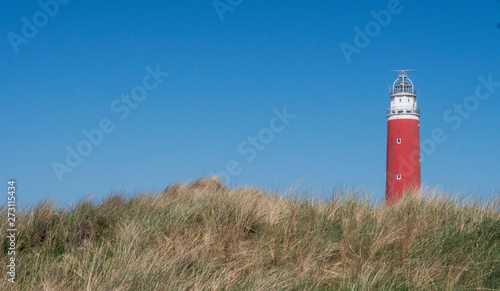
403 84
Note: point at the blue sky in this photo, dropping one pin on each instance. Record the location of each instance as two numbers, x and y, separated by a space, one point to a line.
234 66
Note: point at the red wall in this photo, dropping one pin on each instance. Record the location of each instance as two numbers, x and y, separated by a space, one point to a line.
402 158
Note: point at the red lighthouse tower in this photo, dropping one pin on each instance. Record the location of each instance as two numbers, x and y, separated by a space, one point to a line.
403 139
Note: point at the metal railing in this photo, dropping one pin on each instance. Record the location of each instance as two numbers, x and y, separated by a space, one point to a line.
399 90
406 110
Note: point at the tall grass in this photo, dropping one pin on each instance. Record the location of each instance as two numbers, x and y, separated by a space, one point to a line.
203 236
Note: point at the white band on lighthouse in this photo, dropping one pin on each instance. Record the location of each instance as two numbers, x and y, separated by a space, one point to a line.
403 116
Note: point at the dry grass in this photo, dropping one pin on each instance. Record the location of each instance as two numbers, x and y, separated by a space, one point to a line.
204 236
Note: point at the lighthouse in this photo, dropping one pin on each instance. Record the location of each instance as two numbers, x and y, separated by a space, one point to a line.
403 139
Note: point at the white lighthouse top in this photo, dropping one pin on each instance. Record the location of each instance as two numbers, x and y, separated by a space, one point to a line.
403 85
403 98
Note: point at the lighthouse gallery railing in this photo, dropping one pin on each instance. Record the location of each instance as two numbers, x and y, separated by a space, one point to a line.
403 110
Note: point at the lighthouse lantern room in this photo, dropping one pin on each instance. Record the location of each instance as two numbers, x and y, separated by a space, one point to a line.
403 139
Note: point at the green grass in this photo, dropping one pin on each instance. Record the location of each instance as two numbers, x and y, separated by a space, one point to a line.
204 236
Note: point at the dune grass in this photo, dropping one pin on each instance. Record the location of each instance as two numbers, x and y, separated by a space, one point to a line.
203 236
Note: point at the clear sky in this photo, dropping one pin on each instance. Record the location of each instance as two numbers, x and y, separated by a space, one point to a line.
233 68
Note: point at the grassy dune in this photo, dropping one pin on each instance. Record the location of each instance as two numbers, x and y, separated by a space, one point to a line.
203 236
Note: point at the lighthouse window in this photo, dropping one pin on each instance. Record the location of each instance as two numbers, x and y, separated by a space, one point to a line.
399 176
398 141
